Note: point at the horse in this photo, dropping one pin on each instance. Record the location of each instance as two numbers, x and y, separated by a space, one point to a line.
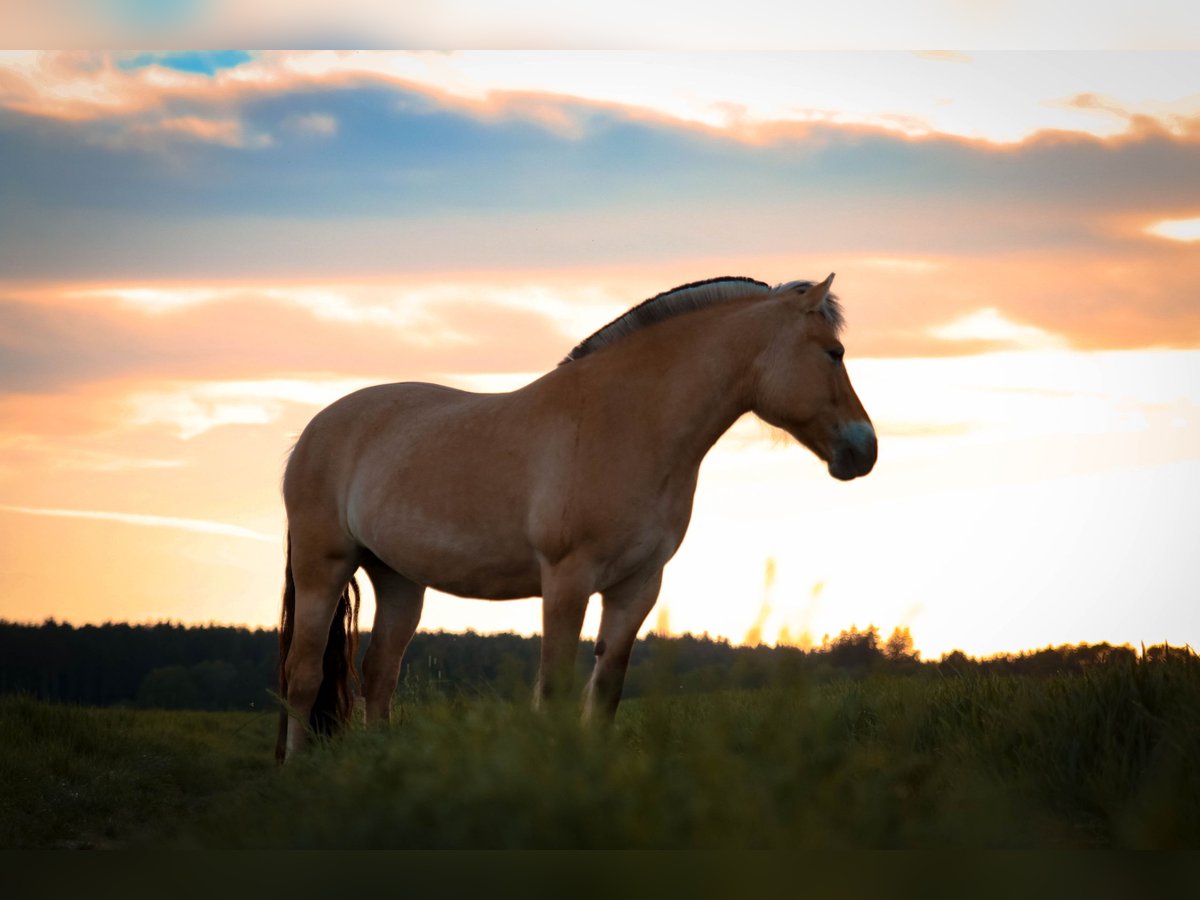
580 482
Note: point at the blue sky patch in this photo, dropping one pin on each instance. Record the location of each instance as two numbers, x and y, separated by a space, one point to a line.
197 62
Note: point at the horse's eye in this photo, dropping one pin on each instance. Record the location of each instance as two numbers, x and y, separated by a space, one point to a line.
836 354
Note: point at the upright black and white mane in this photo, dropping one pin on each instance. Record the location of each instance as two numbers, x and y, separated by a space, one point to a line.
689 298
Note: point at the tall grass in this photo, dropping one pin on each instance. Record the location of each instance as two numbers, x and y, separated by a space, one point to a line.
1105 758
1101 759
74 777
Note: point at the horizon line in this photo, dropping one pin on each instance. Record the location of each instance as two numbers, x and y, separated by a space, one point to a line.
1140 648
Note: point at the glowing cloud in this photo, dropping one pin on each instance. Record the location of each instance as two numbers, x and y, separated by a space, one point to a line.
990 326
151 299
195 409
1177 229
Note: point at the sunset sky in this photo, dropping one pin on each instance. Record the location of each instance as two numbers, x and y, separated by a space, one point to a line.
200 250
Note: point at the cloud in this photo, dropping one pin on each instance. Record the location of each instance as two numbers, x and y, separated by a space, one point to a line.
194 409
225 132
990 327
318 124
491 323
999 97
1176 229
398 153
207 199
199 526
51 343
75 453
193 415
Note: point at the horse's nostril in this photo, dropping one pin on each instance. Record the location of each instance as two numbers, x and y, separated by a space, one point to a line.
870 449
860 436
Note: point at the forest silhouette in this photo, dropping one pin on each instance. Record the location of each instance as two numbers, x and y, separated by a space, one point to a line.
219 667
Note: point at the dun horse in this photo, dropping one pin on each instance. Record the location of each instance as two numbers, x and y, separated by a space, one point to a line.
580 482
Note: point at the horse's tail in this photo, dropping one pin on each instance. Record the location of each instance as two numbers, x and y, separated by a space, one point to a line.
286 619
334 706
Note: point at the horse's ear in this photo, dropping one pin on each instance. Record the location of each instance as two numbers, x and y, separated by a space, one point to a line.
812 297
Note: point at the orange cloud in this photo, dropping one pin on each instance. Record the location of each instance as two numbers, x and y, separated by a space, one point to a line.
78 86
249 333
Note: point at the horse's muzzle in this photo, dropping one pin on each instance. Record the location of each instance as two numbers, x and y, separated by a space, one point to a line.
854 451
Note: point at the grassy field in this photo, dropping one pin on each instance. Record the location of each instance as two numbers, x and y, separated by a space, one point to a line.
1103 759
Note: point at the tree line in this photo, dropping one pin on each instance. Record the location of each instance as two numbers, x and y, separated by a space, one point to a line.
174 666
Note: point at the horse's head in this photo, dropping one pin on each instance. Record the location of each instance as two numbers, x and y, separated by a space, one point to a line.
801 384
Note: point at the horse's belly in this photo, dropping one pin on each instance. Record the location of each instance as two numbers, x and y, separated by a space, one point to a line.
487 566
491 580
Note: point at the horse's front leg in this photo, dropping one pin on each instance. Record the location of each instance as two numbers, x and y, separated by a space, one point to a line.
626 606
566 587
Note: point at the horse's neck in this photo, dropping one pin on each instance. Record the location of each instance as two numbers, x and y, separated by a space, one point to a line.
692 378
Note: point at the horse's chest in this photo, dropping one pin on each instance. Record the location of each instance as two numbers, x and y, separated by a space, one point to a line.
618 533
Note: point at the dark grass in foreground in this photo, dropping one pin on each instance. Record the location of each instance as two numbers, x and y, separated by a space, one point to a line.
1101 759
73 777
1104 758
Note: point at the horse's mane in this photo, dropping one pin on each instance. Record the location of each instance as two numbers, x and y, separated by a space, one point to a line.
689 298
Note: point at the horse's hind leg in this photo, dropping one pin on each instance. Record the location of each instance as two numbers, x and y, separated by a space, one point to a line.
320 577
625 608
398 603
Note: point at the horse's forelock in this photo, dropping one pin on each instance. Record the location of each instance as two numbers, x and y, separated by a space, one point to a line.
831 307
